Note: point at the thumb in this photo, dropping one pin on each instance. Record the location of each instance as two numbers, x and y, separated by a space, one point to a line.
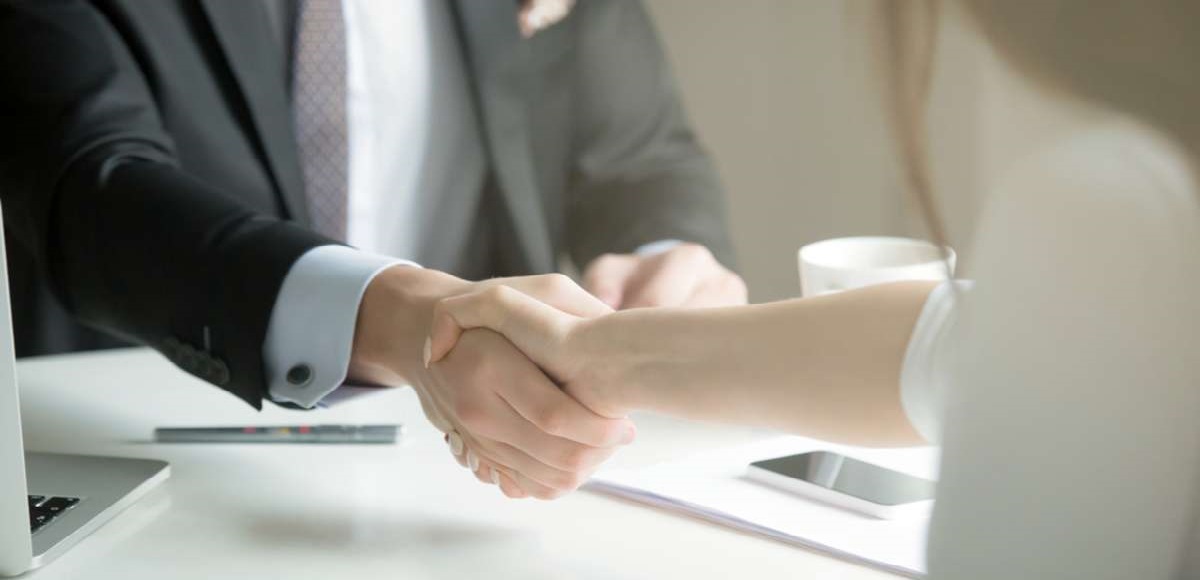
534 327
608 276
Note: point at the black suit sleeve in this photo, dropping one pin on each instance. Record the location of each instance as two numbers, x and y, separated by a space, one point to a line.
130 242
640 174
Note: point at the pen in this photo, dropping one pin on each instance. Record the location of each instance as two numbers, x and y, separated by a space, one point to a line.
287 434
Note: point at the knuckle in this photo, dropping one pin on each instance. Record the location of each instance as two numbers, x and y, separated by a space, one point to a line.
605 261
737 286
576 458
695 253
497 293
499 300
563 483
548 494
559 283
470 415
552 419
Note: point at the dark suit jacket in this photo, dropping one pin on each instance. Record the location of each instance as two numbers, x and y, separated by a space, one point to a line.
150 179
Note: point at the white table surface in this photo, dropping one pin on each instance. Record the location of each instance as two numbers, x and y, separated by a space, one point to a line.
347 512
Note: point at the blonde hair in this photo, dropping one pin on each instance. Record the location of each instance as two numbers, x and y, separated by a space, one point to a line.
908 43
1139 57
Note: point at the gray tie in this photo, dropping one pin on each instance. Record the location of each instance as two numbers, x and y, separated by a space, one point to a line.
319 109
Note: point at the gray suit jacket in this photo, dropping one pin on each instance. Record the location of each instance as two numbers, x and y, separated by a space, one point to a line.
151 182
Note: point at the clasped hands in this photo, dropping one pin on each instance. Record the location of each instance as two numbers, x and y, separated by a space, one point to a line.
503 373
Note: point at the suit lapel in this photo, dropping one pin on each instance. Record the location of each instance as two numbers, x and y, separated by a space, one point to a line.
499 63
241 29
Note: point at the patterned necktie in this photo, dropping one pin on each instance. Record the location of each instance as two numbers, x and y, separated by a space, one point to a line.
319 109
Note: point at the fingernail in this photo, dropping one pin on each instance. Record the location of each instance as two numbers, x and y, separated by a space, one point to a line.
472 461
495 476
456 444
428 350
629 435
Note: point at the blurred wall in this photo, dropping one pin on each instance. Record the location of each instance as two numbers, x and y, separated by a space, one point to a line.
782 94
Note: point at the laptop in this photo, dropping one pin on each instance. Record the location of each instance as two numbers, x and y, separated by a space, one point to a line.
48 501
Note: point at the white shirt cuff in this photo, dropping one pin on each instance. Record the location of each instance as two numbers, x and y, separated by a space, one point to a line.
309 337
658 247
922 383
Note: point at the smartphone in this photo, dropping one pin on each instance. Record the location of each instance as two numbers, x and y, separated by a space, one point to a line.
848 483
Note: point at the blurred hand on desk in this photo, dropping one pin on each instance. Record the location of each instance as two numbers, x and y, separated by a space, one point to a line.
684 275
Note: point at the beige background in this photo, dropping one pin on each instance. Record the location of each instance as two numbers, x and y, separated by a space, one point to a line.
781 93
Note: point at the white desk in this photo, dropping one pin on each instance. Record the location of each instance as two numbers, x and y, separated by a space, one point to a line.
350 512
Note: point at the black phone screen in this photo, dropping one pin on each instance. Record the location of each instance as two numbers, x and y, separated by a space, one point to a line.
852 477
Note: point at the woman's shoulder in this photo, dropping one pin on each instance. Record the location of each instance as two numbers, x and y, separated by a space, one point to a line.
1119 162
1116 190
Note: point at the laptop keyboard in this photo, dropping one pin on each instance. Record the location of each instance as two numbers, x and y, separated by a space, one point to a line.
43 509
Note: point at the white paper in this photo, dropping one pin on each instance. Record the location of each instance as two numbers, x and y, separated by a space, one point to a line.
713 486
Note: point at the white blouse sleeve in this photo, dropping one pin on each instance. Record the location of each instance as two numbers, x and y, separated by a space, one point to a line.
923 377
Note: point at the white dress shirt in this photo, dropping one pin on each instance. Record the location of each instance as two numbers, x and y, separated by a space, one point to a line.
1065 385
404 72
409 115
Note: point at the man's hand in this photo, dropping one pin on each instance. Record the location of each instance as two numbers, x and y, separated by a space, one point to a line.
521 430
686 275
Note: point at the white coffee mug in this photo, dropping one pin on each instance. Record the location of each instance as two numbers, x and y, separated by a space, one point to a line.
845 263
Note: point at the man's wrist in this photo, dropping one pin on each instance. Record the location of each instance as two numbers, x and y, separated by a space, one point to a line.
393 323
309 338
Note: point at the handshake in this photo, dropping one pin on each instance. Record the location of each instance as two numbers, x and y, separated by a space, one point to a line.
515 371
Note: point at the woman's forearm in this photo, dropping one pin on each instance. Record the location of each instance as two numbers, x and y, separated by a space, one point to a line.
826 367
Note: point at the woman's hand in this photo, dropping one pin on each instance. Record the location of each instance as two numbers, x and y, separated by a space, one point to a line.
510 424
554 339
547 335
